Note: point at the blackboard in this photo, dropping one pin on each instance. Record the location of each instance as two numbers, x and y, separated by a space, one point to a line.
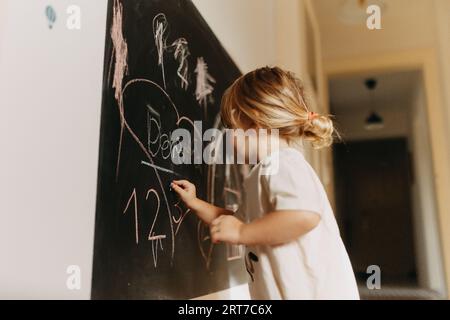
163 70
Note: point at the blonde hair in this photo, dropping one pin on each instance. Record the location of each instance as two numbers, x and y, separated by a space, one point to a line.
272 98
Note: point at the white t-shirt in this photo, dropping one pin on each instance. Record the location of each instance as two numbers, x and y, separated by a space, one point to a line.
316 265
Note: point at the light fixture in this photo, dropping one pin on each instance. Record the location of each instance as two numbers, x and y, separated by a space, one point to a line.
354 12
374 121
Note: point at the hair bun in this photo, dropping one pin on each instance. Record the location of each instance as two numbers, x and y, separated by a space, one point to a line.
320 130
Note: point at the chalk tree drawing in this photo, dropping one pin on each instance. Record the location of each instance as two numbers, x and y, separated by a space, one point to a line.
204 89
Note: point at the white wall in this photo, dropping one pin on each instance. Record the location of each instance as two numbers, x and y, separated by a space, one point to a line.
442 9
50 89
427 241
257 33
245 29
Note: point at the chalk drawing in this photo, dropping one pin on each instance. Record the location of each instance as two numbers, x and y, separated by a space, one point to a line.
204 88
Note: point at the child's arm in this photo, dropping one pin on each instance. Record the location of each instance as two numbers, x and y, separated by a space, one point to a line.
205 211
275 228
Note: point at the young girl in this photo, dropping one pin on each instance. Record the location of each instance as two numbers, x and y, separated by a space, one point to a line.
293 246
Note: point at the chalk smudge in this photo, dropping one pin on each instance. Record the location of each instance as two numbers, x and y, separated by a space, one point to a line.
120 50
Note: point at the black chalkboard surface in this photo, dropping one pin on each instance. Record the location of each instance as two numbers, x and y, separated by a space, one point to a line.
164 69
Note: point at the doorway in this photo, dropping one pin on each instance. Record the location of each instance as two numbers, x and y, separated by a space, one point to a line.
374 181
385 199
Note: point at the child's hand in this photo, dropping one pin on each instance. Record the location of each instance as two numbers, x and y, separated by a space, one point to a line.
226 228
186 191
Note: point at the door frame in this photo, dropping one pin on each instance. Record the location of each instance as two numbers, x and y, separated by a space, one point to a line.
424 60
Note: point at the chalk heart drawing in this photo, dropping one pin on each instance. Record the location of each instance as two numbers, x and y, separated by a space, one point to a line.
165 113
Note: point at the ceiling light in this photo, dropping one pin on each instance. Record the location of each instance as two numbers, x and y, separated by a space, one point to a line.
374 121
